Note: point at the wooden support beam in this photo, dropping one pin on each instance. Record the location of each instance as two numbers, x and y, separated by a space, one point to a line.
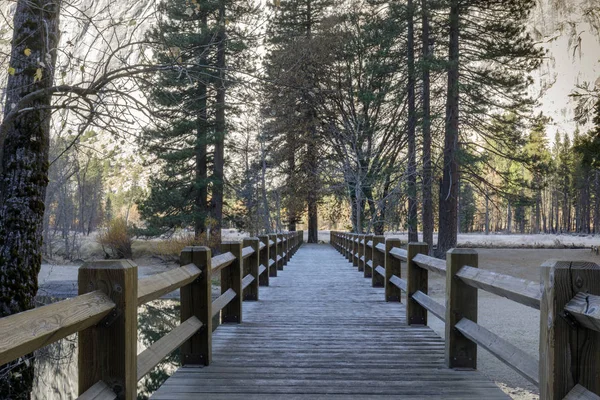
231 278
251 268
585 308
393 267
461 302
361 253
273 251
378 260
196 301
108 351
569 352
263 259
416 280
279 260
368 272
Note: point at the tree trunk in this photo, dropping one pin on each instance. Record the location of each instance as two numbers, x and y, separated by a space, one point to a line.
487 214
201 188
24 175
219 158
413 235
427 172
447 236
313 187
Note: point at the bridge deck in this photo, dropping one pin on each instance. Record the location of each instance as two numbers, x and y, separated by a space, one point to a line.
320 331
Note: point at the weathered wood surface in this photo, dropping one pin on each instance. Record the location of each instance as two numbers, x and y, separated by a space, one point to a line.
581 393
520 290
26 332
585 308
221 261
431 263
311 336
430 305
158 285
517 359
100 391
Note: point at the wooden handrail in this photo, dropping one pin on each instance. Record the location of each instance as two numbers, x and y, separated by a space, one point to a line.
22 333
519 290
399 253
221 261
155 286
105 312
431 264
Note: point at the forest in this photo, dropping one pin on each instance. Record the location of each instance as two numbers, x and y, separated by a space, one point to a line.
186 117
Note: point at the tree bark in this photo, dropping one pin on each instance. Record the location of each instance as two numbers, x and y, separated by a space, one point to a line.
220 130
427 171
448 215
413 235
24 175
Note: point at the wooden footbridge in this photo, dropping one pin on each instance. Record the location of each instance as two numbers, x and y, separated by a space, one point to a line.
317 329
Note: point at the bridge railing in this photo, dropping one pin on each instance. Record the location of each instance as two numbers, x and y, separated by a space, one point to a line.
105 313
568 297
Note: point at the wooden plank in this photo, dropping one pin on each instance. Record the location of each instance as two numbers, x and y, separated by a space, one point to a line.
107 352
568 354
430 305
368 253
585 308
271 243
517 359
149 358
581 393
378 258
221 301
156 286
400 283
380 247
221 261
247 252
264 257
380 270
248 279
399 253
262 245
261 269
519 290
431 264
231 278
370 264
100 391
417 280
23 333
271 263
370 243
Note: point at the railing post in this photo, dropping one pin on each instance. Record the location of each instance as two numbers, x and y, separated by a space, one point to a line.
263 259
251 267
368 257
196 301
355 246
288 247
347 249
108 351
461 302
393 267
378 259
361 253
569 355
231 278
273 251
280 252
416 280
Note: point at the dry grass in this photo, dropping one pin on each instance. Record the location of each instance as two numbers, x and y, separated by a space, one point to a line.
117 239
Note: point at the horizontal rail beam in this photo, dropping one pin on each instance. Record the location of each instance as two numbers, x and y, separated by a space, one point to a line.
155 286
370 243
399 283
519 290
581 393
381 247
585 308
261 269
380 270
510 355
99 391
431 264
154 354
222 301
248 279
261 246
221 261
247 252
27 331
430 305
399 253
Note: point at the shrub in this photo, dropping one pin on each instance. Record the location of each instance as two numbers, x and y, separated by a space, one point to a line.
117 239
171 248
